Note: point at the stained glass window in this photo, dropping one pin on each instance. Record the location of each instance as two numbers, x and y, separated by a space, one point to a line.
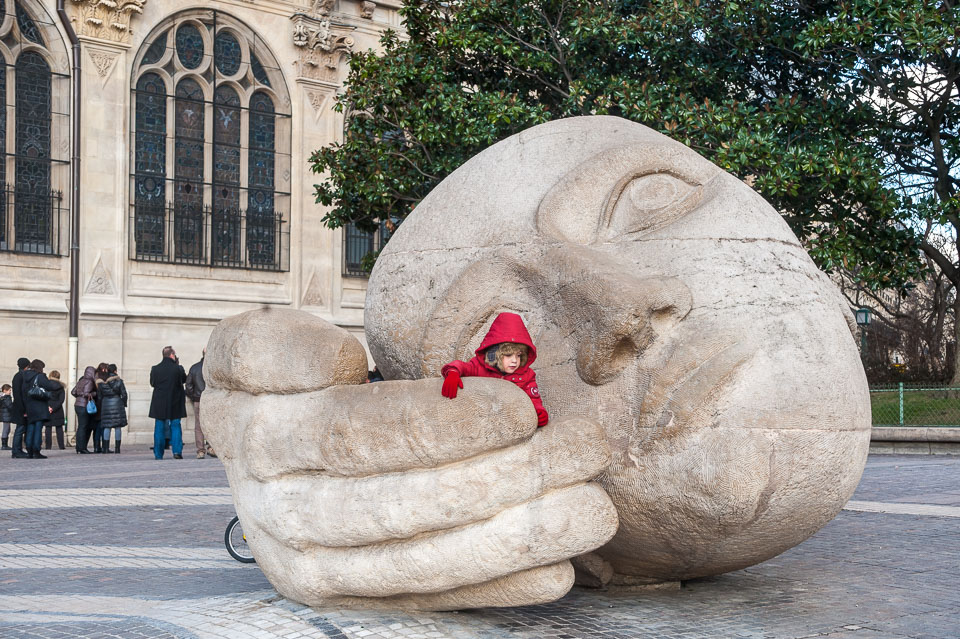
3 145
188 170
259 73
150 164
261 222
33 221
227 53
28 28
226 175
222 163
155 52
189 46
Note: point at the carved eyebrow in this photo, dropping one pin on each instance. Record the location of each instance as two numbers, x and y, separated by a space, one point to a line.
581 203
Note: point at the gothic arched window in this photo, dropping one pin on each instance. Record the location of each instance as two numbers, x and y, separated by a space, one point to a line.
229 140
30 85
149 185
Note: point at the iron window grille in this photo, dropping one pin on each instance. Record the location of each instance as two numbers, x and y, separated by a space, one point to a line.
247 239
35 127
360 246
211 162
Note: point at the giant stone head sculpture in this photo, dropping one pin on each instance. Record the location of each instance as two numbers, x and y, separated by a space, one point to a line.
708 408
669 302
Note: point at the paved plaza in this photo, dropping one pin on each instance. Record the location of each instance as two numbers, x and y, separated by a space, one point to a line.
126 546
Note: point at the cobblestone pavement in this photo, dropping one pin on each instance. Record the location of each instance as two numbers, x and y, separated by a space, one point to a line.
129 547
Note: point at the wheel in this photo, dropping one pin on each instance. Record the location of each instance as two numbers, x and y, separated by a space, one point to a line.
236 542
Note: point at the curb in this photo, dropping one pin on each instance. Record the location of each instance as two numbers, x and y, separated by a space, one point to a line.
915 440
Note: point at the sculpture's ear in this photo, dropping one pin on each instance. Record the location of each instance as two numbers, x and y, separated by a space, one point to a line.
626 190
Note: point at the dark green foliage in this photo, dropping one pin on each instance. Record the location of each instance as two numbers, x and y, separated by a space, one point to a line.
766 90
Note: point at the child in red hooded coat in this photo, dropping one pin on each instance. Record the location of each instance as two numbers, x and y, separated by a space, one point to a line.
505 352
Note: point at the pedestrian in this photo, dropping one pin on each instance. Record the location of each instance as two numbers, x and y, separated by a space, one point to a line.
19 412
194 388
96 423
113 412
57 418
36 404
168 405
85 390
6 413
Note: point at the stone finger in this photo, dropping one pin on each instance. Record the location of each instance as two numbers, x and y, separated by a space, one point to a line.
547 530
347 511
281 351
353 431
525 588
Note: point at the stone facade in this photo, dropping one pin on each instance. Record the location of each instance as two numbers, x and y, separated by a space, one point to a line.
131 307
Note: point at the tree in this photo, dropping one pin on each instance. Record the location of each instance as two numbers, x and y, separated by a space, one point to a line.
901 58
914 325
732 80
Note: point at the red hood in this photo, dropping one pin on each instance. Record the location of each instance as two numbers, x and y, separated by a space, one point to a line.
508 327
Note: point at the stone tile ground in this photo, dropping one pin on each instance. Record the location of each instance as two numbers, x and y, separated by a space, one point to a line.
129 547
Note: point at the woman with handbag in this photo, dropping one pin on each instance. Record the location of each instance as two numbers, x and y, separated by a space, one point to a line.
37 391
85 390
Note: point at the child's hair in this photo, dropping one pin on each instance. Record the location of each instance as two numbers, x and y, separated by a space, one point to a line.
495 354
54 374
6 387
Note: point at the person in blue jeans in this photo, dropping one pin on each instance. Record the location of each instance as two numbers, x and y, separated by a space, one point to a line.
168 405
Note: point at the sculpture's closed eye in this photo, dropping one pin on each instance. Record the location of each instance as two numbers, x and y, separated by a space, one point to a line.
647 202
622 191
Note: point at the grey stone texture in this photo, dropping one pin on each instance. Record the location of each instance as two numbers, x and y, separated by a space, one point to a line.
669 302
695 362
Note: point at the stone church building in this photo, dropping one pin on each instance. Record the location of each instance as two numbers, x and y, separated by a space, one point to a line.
172 189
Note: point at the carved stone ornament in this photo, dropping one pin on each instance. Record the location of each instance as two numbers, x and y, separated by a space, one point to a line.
105 19
313 295
320 8
318 101
322 49
366 9
102 61
100 281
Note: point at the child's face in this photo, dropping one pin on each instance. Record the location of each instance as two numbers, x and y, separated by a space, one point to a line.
511 363
8 391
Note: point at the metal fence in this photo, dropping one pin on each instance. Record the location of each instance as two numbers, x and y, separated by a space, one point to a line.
30 222
915 404
253 240
357 245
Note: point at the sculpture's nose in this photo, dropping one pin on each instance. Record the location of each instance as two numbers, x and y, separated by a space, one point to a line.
612 314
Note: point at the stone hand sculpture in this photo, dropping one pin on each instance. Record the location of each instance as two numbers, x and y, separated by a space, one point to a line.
390 494
692 357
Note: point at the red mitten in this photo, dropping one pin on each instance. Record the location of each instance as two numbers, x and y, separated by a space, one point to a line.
542 417
450 384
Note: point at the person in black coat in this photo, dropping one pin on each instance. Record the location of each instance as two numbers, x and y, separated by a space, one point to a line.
18 410
57 418
113 412
37 410
101 375
168 404
6 413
